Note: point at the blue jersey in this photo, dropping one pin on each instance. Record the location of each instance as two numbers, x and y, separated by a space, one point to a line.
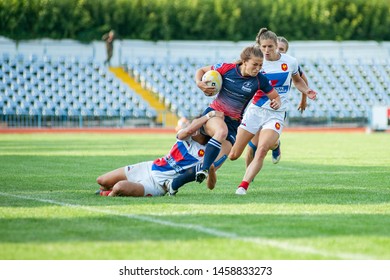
237 90
183 155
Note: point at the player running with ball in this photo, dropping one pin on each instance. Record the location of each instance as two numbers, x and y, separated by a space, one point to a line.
241 81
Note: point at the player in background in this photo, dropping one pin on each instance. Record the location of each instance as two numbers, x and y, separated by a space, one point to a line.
241 80
149 178
283 46
280 69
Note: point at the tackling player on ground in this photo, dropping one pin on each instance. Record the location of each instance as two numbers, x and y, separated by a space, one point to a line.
151 178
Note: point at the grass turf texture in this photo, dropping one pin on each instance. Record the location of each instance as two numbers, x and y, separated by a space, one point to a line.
328 198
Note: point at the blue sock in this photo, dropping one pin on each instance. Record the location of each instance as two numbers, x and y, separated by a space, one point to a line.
186 177
211 153
253 146
219 162
189 175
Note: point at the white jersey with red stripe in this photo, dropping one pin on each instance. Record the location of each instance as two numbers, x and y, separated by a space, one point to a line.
183 155
279 73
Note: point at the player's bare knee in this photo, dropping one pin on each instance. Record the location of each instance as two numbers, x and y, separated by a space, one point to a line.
261 152
233 155
118 187
221 135
104 181
100 180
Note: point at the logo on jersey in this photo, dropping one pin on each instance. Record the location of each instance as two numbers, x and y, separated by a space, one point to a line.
247 86
201 153
284 67
277 126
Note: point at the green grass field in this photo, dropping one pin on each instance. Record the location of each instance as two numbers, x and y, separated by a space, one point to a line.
328 198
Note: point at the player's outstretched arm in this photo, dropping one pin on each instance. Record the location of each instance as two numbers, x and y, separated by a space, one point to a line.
303 104
302 87
197 123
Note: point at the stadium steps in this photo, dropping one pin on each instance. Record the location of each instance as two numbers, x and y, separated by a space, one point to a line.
162 111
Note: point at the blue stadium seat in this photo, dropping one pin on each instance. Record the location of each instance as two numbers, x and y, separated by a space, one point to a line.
67 87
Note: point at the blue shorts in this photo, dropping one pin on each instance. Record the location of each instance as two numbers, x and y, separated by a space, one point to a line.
232 125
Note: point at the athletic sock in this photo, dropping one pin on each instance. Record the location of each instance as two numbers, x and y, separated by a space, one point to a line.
213 148
253 146
277 146
219 162
105 193
189 175
244 184
186 177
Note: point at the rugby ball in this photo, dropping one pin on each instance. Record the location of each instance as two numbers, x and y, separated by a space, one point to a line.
213 78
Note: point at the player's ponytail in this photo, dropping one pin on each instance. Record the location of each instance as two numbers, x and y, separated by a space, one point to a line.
265 34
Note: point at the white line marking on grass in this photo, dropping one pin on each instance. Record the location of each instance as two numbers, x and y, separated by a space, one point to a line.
214 232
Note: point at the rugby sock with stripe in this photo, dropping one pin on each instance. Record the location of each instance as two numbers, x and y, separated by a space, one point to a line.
213 148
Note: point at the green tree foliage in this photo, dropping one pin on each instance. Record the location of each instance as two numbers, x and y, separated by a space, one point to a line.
231 20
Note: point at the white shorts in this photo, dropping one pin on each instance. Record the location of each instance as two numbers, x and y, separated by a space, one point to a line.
257 118
142 173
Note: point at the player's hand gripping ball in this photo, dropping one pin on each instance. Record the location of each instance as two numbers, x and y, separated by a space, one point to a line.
213 78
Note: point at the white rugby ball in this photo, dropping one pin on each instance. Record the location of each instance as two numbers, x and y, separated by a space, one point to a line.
213 78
